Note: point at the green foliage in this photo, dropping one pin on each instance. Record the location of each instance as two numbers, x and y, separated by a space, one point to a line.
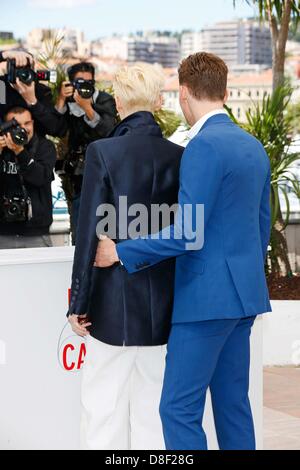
276 7
294 116
50 60
4 42
168 121
270 123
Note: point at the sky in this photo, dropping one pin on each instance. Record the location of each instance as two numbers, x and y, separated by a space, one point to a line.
99 18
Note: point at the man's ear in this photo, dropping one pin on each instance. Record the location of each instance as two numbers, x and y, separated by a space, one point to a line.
183 90
226 96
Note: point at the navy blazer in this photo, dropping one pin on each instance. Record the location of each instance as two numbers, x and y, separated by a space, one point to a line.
136 162
228 171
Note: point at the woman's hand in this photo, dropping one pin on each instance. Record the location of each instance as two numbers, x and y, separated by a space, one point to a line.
79 324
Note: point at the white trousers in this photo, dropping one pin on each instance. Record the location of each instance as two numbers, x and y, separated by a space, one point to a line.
120 395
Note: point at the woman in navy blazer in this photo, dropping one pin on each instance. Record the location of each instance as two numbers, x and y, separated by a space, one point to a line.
129 318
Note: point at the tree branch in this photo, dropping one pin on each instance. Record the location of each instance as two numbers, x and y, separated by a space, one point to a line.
272 21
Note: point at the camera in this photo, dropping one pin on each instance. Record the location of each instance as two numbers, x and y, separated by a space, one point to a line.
15 209
18 134
26 75
85 88
74 165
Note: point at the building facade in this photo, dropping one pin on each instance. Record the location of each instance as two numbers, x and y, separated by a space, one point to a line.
236 42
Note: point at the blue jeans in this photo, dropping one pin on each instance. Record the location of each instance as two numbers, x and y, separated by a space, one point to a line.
210 354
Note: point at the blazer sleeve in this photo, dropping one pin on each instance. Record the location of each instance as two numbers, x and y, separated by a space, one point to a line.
265 215
201 176
94 192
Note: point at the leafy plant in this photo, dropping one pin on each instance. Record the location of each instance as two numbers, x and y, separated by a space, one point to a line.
270 123
53 58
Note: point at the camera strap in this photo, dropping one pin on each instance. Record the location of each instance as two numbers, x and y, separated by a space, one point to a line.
24 190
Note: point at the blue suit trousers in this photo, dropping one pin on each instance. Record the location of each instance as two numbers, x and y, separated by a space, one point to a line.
212 354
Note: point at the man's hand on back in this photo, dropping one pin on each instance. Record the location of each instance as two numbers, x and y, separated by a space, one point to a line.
106 253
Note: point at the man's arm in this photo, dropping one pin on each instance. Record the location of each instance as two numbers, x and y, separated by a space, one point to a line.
200 181
104 118
37 167
43 111
20 57
94 192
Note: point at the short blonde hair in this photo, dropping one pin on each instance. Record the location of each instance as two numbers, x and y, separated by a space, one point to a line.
139 86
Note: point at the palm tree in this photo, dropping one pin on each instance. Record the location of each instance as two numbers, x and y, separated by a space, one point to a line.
281 16
273 126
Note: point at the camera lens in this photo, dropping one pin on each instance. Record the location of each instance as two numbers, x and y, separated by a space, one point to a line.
19 136
26 76
85 88
13 210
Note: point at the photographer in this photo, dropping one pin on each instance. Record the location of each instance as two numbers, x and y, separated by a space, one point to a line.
33 95
85 115
26 172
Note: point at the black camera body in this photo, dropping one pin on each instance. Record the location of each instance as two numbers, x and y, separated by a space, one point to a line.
85 88
18 134
27 75
15 209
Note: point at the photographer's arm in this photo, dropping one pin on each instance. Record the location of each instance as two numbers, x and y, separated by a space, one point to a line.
105 117
43 111
20 57
37 169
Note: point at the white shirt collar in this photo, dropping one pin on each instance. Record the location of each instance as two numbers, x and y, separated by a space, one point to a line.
199 124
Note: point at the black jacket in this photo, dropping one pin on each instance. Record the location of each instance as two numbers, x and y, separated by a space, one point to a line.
136 162
44 97
80 133
35 164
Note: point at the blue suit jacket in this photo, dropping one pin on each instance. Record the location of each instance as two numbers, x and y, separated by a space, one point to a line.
228 171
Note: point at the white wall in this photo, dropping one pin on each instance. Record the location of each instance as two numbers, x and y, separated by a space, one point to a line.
281 334
39 399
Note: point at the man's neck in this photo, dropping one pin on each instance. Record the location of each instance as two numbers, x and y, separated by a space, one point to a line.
200 111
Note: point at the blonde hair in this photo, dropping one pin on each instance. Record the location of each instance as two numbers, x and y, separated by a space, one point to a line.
139 86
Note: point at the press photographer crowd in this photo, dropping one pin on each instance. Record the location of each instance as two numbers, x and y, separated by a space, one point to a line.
29 117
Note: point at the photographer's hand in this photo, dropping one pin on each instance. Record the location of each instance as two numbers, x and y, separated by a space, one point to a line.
21 58
66 91
12 146
26 91
2 143
85 104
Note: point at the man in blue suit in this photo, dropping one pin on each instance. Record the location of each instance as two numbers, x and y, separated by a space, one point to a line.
220 288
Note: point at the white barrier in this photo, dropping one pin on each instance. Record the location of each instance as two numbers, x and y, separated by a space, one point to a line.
282 334
39 358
